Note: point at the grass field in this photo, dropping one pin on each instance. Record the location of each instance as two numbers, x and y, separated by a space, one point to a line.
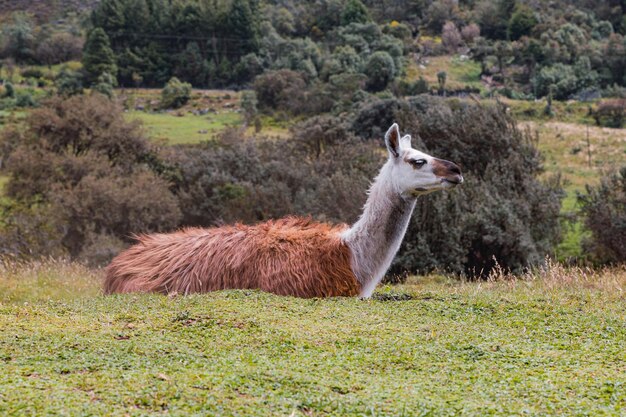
549 344
460 73
177 129
566 151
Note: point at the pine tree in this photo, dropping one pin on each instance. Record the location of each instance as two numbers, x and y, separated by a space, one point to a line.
243 24
98 56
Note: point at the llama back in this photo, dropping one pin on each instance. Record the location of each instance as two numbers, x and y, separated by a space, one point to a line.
291 256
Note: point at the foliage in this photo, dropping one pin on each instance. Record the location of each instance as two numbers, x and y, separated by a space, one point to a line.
611 113
98 57
450 37
604 211
314 172
354 12
69 83
502 213
277 90
380 70
175 94
105 84
521 23
200 42
59 48
18 39
82 175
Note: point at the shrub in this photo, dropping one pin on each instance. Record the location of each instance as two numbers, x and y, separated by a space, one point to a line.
69 83
81 173
470 32
604 211
58 48
522 22
354 12
104 85
313 172
32 73
25 99
611 113
277 90
9 90
175 94
450 37
501 212
380 70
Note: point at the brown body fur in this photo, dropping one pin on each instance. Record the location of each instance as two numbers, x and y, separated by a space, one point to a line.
290 256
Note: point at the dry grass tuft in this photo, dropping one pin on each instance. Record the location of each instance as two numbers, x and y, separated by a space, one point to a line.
47 279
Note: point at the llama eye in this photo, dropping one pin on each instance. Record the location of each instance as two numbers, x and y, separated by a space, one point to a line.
417 163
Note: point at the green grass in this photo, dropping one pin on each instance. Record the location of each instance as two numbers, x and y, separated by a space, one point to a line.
552 344
188 128
460 73
565 151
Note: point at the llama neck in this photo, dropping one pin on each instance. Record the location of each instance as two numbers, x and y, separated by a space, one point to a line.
375 238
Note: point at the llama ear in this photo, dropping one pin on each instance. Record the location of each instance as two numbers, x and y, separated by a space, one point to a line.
392 140
405 142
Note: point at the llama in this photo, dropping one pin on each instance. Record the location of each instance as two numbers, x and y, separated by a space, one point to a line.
292 256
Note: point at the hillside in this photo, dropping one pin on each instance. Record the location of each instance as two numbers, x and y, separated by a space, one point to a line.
46 11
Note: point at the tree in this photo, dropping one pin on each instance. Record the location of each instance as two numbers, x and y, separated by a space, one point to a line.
380 70
98 56
354 12
450 37
105 84
604 211
441 79
175 94
82 175
243 26
69 83
18 38
522 22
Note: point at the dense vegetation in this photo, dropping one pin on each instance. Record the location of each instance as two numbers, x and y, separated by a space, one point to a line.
89 179
343 70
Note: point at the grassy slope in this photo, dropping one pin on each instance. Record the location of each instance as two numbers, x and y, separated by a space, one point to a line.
187 128
459 73
545 347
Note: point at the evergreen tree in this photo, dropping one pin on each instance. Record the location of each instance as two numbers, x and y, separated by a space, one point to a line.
98 56
354 12
109 15
243 25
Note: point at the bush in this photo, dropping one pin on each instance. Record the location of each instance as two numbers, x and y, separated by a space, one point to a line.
313 172
175 94
610 113
69 83
604 211
105 84
25 99
380 70
9 90
81 174
501 212
451 37
58 48
278 90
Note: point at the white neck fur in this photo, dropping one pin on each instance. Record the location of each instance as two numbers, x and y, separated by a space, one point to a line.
375 238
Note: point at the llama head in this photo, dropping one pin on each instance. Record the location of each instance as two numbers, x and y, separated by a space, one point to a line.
414 172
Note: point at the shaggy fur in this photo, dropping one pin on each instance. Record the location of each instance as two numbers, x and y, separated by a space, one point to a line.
291 256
